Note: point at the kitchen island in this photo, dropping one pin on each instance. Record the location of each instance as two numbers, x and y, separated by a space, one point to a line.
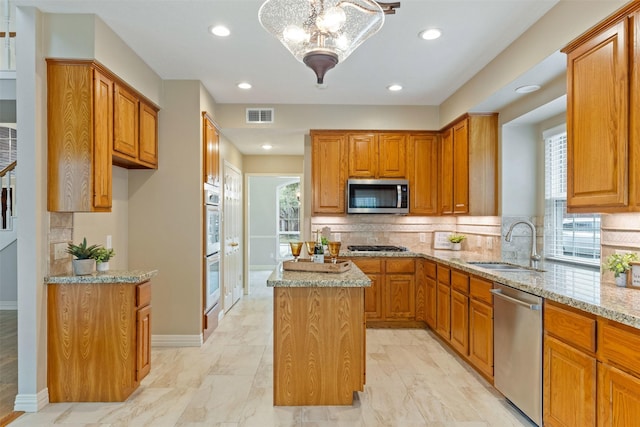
318 336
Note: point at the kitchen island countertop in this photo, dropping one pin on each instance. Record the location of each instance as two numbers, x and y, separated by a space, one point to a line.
352 278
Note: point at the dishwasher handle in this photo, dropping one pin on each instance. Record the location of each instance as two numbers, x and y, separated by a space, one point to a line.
498 293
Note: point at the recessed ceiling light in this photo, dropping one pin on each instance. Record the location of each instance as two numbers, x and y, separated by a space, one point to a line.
430 34
267 147
527 88
244 85
394 87
219 30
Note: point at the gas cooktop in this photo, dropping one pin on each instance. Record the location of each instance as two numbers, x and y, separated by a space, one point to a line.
376 248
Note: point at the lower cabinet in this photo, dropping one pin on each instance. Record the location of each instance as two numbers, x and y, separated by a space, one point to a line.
443 302
98 340
460 322
481 325
618 397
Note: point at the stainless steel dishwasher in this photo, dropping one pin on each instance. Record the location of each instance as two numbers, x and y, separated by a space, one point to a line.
517 345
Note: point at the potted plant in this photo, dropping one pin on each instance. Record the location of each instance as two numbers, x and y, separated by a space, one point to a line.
456 240
619 264
84 262
102 257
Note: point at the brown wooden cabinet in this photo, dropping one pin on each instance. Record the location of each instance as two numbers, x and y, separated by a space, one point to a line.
374 269
98 340
80 133
603 81
421 290
460 312
481 325
377 155
443 302
618 397
211 147
422 171
468 166
431 293
328 172
148 134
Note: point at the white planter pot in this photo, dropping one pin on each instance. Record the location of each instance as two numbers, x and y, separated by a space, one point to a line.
102 266
456 246
621 280
83 267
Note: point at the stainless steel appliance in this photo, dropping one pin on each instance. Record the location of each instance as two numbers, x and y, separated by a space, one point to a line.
378 196
212 246
517 344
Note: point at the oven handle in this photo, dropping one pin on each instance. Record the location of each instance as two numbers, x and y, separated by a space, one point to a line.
498 293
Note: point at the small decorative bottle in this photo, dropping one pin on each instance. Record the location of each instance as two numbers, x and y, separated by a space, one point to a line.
318 250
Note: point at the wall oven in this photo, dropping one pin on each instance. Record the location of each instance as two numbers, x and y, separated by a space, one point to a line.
378 196
212 245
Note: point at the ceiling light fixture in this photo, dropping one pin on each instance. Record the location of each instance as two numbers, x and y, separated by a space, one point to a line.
430 34
244 85
394 87
321 33
527 88
267 147
219 30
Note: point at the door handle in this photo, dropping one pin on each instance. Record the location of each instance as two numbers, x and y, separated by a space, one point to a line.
233 244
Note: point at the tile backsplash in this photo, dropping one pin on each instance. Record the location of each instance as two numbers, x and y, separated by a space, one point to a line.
60 234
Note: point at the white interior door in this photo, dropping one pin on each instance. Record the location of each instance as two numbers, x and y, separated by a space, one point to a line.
233 283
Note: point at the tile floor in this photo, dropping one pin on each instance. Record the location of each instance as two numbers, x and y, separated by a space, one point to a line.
412 380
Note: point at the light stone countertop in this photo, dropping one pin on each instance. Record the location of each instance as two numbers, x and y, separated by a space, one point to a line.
352 278
111 276
575 286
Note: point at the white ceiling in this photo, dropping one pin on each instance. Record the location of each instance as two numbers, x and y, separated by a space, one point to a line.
172 37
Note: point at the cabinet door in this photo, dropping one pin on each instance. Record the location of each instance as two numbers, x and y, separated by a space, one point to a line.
423 174
143 342
481 336
125 117
460 322
400 292
431 291
328 173
461 167
569 385
373 298
597 121
148 149
392 155
211 151
421 291
363 155
443 314
446 173
102 138
618 397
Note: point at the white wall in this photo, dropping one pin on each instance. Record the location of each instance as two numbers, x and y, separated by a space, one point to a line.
9 277
519 169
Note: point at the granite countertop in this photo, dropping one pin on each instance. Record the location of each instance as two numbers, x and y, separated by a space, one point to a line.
575 286
352 278
111 276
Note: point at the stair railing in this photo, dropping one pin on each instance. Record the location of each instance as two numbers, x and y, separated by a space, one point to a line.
8 187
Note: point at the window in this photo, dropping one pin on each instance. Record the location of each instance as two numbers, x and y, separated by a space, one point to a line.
571 237
288 216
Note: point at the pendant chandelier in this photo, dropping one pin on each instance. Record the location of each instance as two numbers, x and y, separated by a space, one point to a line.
321 33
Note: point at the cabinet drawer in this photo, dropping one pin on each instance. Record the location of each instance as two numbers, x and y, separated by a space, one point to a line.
400 265
369 265
480 289
571 326
430 269
444 275
460 281
143 294
619 344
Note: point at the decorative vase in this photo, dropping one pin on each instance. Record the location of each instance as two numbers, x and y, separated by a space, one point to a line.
456 246
102 266
621 280
83 267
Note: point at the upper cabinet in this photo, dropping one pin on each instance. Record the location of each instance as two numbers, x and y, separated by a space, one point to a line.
603 132
211 137
328 172
377 155
94 120
468 166
422 170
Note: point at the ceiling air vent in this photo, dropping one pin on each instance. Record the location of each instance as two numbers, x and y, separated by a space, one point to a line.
259 115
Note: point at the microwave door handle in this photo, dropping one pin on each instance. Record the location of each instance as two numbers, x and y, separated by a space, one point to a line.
399 196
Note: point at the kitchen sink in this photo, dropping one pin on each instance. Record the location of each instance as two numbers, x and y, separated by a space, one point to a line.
503 266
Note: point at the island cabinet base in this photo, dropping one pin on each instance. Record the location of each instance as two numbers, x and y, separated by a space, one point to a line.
319 345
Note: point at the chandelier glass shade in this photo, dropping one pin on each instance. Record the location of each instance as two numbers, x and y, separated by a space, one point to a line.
321 33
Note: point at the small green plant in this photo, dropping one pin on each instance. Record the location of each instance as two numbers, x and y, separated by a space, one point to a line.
456 238
82 251
103 254
620 263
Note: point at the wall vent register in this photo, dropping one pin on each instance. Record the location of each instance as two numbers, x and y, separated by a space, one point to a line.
259 115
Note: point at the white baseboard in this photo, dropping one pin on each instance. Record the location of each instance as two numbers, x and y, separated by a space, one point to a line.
31 402
176 340
8 305
262 267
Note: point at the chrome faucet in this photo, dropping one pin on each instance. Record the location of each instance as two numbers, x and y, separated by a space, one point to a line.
534 254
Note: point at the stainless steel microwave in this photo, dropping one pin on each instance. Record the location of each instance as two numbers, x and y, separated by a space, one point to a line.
378 196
